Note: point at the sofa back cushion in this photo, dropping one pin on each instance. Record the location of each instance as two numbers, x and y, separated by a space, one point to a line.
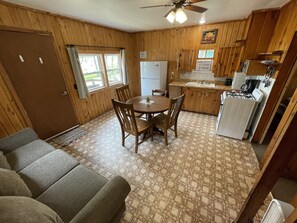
15 209
3 161
18 139
11 184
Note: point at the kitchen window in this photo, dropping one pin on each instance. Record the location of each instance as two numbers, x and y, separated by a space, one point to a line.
204 60
101 70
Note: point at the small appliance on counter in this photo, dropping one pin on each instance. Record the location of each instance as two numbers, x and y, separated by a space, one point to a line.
238 80
249 86
228 82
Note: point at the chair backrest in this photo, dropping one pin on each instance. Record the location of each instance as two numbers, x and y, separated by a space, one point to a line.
158 92
123 93
174 109
126 116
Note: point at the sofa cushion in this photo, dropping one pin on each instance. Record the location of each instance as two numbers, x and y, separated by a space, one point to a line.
110 200
3 161
12 185
26 210
27 154
72 192
45 171
14 141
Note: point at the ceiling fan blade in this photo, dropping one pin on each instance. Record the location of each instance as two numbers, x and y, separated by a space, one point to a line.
154 6
195 8
169 12
195 1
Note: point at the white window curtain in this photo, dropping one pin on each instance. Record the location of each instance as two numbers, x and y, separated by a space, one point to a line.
124 66
78 74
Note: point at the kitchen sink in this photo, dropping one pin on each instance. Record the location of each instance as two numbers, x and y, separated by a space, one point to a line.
200 84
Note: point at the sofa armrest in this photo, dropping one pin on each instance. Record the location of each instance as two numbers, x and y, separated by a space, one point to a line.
14 141
106 202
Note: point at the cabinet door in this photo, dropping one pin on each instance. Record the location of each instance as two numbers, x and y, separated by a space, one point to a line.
212 100
193 99
260 33
186 60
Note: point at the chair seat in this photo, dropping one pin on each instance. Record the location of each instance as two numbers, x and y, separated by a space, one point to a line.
142 125
159 121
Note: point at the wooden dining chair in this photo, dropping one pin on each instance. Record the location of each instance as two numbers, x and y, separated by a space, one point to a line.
131 124
159 92
169 120
124 95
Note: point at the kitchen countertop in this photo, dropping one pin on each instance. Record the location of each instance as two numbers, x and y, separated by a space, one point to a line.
181 83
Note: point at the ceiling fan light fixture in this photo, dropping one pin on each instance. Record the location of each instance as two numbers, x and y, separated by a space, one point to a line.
202 21
180 16
171 16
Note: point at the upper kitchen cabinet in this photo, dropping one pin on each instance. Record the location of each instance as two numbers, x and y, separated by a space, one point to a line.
228 61
261 30
187 60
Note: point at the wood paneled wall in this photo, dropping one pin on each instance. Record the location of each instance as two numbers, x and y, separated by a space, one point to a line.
64 31
12 114
166 44
285 28
160 45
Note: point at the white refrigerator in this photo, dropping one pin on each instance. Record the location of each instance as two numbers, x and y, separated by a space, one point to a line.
153 75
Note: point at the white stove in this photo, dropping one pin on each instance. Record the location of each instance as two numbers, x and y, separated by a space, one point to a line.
255 95
236 113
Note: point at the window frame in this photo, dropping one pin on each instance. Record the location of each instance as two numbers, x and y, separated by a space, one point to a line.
101 54
101 70
120 69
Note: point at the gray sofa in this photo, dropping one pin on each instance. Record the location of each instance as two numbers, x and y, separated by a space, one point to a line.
74 192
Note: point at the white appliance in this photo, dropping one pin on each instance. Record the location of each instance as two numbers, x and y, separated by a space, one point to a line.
277 212
153 75
236 113
266 92
238 80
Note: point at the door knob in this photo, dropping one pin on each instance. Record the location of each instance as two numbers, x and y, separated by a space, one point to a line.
64 93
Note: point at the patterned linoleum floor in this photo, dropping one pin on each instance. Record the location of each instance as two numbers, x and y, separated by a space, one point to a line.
198 177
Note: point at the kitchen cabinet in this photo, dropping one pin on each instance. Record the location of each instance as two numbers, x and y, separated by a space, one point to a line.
228 61
260 32
202 100
187 60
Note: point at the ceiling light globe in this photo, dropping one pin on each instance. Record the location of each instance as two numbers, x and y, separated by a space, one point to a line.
202 21
171 16
180 16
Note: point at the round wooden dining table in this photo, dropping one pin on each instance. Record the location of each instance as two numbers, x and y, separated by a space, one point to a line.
157 104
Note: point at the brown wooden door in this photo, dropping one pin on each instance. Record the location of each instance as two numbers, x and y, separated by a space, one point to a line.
34 70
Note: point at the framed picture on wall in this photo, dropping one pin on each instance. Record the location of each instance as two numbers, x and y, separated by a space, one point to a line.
209 36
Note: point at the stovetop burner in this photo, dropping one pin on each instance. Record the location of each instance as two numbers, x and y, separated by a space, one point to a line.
239 95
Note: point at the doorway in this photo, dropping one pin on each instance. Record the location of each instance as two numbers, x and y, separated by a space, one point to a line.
31 63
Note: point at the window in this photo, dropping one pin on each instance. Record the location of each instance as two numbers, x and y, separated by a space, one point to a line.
204 60
203 54
92 70
99 73
113 68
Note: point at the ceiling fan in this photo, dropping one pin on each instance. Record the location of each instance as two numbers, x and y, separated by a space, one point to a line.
176 12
